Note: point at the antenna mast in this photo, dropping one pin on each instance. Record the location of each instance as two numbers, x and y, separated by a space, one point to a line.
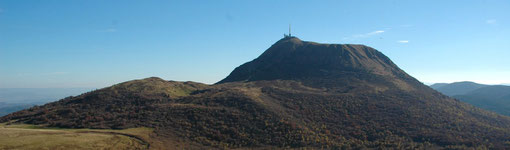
289 31
287 35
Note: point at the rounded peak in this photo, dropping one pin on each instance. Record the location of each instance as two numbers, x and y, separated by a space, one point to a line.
154 87
289 40
154 79
292 40
146 82
464 82
292 58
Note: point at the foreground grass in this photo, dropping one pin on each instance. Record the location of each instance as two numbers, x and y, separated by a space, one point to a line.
22 136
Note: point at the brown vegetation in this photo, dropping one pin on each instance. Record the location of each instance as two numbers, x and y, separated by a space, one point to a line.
339 97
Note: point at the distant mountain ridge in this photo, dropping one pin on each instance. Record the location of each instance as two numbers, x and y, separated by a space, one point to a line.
297 94
457 88
491 97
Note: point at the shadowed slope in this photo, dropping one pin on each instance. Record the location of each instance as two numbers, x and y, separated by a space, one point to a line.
291 58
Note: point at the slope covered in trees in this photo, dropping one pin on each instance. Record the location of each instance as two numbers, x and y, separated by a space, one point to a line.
296 94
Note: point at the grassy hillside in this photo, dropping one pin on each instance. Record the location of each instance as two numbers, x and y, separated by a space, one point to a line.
283 113
22 136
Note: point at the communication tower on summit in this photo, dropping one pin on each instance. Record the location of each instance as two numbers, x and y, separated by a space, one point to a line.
287 35
289 31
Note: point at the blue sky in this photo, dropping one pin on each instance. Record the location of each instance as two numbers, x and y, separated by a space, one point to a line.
98 43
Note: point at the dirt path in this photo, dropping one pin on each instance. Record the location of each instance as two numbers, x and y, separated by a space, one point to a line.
141 140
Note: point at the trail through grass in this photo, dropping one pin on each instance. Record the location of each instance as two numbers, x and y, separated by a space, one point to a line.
22 136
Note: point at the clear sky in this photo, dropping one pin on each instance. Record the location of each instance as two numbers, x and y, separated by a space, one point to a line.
97 43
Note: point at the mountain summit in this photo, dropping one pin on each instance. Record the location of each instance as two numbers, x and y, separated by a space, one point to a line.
297 94
292 58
